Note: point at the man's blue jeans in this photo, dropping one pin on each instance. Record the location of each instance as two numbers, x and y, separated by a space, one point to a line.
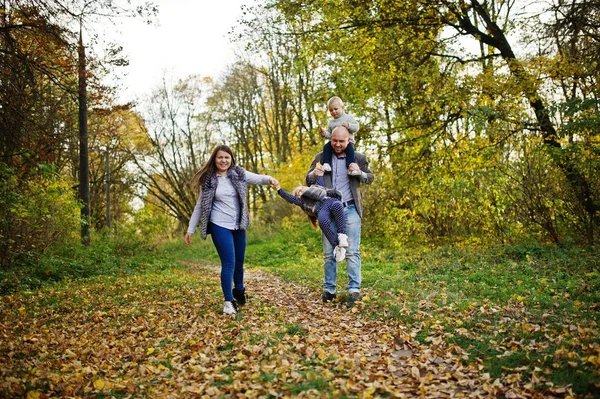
231 247
352 255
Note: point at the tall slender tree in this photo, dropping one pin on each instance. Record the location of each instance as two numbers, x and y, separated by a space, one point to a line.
84 165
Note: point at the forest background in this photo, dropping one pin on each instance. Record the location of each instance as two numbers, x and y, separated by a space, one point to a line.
480 119
495 142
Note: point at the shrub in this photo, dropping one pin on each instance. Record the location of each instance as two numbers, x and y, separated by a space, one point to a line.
37 211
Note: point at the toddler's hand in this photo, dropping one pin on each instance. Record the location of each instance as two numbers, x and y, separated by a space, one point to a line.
322 132
318 170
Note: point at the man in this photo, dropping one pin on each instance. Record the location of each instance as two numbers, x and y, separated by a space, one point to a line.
341 179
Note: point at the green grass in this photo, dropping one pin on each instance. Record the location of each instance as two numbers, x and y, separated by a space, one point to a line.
310 382
530 309
269 377
296 329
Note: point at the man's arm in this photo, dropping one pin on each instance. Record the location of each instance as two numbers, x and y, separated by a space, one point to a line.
367 176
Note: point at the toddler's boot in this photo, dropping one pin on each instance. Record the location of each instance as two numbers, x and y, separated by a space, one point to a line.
342 240
339 253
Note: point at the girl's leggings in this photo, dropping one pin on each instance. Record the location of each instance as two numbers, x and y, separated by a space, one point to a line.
331 211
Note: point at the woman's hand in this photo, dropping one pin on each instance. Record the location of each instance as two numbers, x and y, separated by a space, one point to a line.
188 238
275 184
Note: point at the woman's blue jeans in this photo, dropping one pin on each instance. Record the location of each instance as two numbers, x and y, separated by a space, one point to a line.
231 247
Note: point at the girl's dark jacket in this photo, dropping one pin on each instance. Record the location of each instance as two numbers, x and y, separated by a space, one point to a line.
314 196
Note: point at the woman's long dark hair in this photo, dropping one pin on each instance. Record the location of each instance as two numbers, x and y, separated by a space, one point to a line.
209 168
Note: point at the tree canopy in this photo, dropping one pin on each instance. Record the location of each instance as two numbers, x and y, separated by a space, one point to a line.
480 118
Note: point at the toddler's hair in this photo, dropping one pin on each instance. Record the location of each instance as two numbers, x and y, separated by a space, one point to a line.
334 98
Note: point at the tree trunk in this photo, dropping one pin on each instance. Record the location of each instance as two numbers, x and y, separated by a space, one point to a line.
84 175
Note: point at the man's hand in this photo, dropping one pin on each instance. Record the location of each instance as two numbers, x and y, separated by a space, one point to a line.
188 238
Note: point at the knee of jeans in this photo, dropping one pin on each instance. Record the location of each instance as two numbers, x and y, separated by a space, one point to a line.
351 251
227 267
353 246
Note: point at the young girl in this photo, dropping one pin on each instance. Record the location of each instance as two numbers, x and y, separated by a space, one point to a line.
321 205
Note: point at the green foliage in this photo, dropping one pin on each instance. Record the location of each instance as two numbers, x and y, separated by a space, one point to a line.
108 255
37 211
461 153
198 249
299 244
290 175
152 223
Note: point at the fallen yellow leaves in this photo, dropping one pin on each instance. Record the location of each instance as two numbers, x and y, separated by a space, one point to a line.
34 395
595 360
163 336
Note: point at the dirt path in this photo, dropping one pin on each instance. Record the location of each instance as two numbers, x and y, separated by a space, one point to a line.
365 356
163 336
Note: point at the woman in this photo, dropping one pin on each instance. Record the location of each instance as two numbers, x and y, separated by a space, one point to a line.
222 212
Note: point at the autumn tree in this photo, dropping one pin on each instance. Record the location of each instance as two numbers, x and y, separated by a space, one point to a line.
181 135
256 120
295 96
429 100
574 72
37 71
39 95
118 140
38 43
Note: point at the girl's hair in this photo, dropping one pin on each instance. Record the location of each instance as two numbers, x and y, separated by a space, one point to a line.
209 168
313 220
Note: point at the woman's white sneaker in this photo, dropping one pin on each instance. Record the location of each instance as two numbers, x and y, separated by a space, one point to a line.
229 308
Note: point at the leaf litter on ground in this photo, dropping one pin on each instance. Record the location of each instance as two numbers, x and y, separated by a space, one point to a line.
164 336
